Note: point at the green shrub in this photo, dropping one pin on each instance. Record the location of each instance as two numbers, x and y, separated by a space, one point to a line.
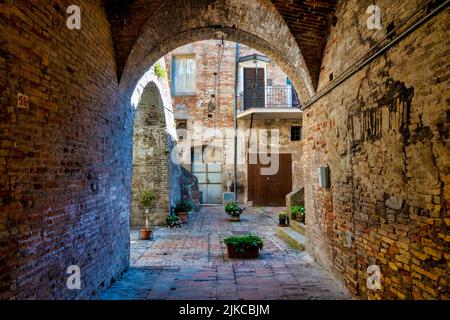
282 215
184 206
233 209
173 222
147 198
244 243
160 72
298 212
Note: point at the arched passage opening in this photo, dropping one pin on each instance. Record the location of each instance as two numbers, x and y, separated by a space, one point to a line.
238 21
150 158
234 21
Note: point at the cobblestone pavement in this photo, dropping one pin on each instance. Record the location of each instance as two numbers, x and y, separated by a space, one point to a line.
191 263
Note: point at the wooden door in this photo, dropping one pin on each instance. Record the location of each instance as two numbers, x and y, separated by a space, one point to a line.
270 191
254 90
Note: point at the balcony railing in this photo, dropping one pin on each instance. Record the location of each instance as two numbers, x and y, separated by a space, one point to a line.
269 97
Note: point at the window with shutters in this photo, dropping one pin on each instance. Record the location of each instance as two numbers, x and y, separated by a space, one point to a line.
183 76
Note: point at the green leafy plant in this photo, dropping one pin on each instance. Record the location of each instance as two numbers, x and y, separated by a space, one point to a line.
160 72
233 209
282 218
184 206
298 213
173 222
244 243
147 198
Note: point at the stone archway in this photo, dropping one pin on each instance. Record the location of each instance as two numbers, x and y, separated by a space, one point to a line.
176 23
154 138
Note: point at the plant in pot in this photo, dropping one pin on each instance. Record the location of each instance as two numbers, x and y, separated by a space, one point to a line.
282 219
182 209
234 211
298 213
243 246
147 199
173 222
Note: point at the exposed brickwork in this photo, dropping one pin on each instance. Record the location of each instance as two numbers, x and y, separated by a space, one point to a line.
65 162
199 20
384 134
127 19
309 22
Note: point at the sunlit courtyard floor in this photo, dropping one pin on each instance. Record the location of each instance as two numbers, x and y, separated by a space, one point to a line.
191 263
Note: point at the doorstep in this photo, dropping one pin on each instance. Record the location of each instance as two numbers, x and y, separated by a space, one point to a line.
292 237
298 226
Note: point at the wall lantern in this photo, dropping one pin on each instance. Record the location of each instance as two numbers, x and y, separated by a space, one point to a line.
324 177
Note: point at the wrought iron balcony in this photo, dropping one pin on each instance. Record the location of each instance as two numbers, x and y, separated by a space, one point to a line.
270 97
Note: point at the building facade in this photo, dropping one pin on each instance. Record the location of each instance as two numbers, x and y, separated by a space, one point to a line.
208 80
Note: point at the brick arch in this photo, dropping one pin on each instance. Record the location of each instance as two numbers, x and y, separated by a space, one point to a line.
255 23
153 138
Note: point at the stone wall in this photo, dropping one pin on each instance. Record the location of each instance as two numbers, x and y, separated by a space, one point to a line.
384 135
65 160
154 145
150 157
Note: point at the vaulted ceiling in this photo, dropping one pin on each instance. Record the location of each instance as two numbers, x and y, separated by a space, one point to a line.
308 20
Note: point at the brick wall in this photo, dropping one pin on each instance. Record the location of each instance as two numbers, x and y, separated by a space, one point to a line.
285 146
384 134
64 161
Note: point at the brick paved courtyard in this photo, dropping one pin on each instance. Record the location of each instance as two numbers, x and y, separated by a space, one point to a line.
191 263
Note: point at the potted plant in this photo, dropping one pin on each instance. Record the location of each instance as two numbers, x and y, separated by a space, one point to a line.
243 246
234 211
147 199
282 219
182 209
298 213
173 222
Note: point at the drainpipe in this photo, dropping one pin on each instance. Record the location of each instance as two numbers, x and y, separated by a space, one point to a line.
235 119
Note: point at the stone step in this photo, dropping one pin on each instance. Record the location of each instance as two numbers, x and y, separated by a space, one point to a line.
298 226
292 237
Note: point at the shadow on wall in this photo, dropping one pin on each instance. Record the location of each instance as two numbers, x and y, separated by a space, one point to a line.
189 186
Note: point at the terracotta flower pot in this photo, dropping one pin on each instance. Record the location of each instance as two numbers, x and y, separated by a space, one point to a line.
252 253
183 216
145 234
235 218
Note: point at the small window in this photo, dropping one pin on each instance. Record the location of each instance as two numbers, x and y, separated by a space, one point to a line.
181 126
296 133
184 75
